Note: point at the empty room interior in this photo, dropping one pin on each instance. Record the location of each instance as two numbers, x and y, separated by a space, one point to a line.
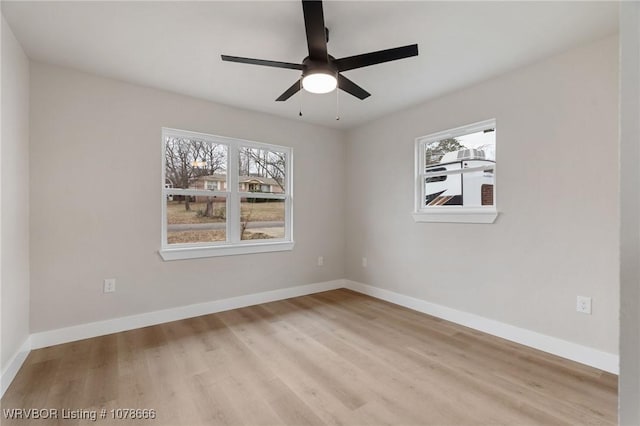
320 213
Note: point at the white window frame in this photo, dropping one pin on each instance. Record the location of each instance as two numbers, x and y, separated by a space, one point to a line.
451 214
234 245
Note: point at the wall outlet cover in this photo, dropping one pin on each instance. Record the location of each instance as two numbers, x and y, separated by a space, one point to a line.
109 285
583 304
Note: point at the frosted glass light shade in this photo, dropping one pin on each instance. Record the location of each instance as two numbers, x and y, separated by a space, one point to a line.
319 83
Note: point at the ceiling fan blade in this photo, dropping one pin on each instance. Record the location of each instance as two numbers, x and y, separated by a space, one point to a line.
366 59
295 87
266 63
350 87
314 25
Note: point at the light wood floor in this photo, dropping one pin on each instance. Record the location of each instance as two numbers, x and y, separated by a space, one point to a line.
335 358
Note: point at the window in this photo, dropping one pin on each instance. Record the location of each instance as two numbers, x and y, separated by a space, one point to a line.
455 175
224 196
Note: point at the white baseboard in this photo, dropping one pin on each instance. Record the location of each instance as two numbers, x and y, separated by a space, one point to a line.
12 368
573 351
582 354
100 328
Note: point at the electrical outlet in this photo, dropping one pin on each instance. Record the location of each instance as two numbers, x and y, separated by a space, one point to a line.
364 262
109 285
583 304
320 261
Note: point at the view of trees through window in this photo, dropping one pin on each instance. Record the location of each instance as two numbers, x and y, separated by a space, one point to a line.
198 196
255 162
261 171
186 160
436 150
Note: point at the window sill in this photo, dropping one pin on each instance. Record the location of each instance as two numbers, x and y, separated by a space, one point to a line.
448 215
200 252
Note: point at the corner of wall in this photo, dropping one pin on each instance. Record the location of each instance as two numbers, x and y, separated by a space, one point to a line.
629 384
10 370
14 215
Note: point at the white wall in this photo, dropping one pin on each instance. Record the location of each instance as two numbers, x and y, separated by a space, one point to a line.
557 191
96 195
14 152
629 385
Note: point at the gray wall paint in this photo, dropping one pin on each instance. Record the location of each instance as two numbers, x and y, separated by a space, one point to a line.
96 194
629 384
557 235
14 262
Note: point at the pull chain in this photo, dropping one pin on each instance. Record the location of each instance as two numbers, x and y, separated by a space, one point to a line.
300 97
337 104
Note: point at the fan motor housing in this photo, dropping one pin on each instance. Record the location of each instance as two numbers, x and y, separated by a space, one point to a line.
310 66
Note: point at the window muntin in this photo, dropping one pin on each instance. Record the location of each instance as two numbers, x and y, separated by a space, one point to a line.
222 192
455 170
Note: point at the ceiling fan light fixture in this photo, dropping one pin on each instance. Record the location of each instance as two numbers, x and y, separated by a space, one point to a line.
319 82
321 72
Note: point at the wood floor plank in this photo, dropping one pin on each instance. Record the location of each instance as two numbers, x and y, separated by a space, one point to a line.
244 394
381 379
495 362
330 399
332 358
540 370
434 395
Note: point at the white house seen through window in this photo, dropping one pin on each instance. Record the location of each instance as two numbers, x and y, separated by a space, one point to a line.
224 196
455 175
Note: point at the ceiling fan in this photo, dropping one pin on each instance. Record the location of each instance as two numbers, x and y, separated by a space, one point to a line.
321 72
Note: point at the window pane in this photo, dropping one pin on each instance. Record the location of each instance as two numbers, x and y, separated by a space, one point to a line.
443 190
478 186
471 158
261 219
470 186
435 151
261 170
195 164
196 219
473 146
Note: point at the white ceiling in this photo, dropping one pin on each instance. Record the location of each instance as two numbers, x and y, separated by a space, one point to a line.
177 45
